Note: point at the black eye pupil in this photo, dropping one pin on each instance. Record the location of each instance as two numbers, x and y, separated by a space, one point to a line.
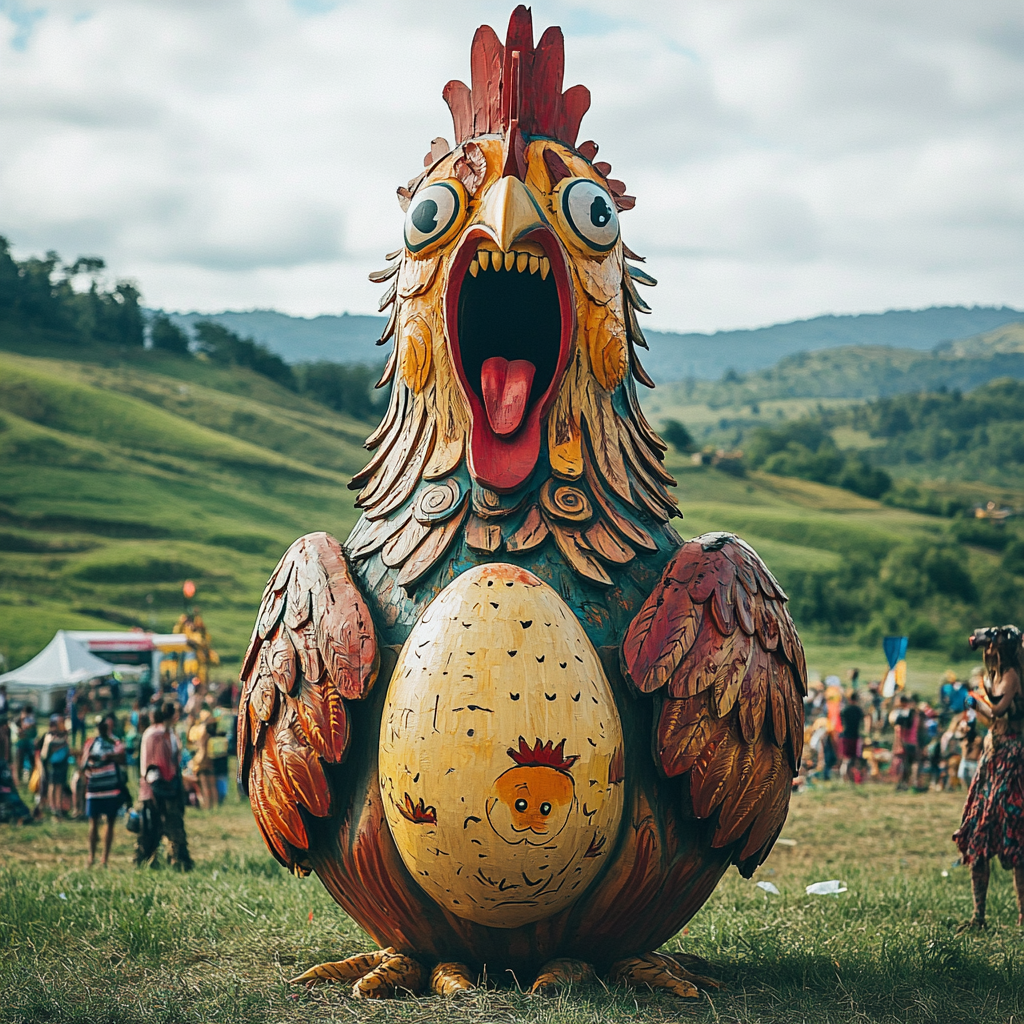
545 808
424 217
600 212
521 805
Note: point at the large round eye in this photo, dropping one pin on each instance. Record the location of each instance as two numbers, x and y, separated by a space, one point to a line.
589 213
545 809
434 215
521 805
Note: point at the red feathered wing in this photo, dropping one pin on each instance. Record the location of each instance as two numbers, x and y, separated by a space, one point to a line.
715 641
313 648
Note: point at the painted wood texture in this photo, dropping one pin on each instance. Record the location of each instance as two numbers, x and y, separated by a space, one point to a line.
313 649
580 722
501 752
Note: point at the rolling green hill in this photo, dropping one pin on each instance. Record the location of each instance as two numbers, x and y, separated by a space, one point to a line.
123 473
121 476
862 371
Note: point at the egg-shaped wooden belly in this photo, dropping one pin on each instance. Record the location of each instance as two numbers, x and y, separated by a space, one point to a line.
501 755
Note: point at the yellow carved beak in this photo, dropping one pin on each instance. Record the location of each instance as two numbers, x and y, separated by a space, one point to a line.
509 211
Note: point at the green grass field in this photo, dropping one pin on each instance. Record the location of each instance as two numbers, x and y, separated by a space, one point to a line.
218 945
118 482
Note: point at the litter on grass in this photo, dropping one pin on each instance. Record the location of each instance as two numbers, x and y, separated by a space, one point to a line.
785 842
830 888
768 887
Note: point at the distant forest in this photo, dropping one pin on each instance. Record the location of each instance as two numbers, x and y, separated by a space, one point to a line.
38 294
919 450
44 298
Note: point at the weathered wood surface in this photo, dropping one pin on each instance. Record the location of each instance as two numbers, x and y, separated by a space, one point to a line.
494 798
497 743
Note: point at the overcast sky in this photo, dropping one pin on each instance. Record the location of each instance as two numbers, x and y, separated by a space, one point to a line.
790 157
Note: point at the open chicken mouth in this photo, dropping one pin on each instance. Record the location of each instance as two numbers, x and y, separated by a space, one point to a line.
509 324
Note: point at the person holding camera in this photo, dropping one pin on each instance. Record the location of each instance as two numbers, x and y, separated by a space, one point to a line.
162 795
102 761
993 821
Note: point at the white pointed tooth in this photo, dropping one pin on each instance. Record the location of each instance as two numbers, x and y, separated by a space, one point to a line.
522 259
485 259
510 259
545 268
534 264
474 268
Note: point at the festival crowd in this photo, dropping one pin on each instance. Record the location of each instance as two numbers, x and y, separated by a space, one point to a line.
172 747
862 735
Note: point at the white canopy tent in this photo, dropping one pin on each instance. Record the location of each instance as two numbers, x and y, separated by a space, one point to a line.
61 664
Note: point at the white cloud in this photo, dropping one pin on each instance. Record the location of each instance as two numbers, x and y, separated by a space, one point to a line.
789 158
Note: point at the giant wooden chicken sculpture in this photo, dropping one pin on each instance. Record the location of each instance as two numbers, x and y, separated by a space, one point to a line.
515 722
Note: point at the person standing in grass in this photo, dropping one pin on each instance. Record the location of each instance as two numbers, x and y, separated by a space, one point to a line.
55 755
849 741
27 732
102 760
162 794
199 736
904 720
5 728
971 747
993 821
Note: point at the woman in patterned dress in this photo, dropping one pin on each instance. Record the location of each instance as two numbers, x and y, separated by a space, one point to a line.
993 821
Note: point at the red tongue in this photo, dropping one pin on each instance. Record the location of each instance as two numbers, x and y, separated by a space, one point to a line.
506 389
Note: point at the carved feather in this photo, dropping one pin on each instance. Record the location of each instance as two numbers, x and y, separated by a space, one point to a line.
626 528
685 727
605 545
742 663
532 533
294 686
577 552
660 635
431 550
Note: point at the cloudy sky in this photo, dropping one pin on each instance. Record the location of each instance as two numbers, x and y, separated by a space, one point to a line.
790 157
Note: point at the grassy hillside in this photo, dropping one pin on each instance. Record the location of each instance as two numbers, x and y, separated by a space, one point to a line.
122 475
862 372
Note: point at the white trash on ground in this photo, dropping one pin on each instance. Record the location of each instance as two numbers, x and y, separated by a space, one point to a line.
830 888
768 887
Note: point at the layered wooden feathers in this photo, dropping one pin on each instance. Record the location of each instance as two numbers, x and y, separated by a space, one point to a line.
313 649
715 641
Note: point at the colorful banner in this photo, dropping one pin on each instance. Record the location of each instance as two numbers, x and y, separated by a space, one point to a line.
895 648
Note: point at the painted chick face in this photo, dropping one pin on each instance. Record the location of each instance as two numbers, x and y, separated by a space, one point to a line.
531 805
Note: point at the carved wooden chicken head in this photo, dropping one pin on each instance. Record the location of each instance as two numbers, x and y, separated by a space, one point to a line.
514 307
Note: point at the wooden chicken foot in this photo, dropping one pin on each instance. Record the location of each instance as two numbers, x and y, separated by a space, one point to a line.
378 975
449 979
556 975
659 971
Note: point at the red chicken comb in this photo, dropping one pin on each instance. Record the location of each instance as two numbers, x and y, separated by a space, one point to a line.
517 84
542 755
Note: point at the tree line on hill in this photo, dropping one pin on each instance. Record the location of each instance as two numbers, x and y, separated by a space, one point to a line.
40 294
945 434
45 298
965 572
